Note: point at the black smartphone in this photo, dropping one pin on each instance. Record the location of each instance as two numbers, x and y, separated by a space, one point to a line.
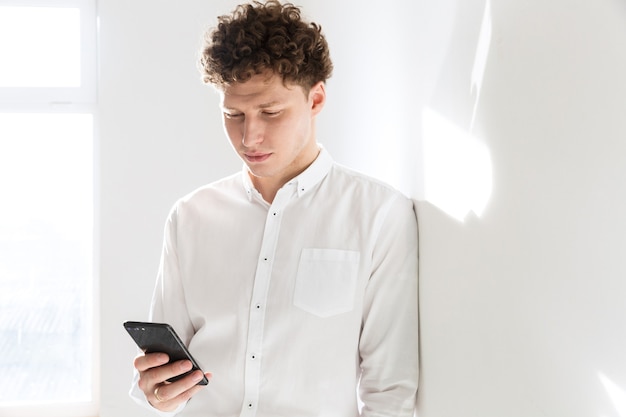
161 337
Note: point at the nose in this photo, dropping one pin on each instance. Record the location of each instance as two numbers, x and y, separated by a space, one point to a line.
252 132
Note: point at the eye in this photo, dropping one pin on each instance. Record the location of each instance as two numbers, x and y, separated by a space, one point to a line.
232 115
270 113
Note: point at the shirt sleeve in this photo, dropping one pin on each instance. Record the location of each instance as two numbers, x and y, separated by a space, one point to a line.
168 303
389 337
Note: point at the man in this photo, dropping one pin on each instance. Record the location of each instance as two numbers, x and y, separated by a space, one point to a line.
293 282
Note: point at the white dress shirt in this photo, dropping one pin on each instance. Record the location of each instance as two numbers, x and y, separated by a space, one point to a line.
303 307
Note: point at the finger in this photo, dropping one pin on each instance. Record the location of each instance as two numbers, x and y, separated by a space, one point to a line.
166 372
153 378
172 404
169 396
159 399
150 360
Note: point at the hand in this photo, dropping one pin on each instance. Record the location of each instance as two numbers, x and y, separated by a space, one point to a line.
154 371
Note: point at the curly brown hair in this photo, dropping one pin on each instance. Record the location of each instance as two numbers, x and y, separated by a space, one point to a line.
260 37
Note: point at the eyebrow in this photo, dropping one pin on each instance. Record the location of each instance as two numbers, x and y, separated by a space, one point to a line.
260 106
270 104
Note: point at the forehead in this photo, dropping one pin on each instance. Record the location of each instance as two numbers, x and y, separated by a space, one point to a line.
259 90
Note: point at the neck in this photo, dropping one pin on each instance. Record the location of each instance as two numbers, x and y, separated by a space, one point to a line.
269 186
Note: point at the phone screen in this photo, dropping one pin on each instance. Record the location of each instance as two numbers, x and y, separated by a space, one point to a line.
161 337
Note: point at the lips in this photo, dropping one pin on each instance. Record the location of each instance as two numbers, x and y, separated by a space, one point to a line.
257 157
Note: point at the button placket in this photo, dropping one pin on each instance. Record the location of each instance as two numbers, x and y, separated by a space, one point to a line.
259 295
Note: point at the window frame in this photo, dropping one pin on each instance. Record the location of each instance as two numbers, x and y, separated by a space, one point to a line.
55 96
79 100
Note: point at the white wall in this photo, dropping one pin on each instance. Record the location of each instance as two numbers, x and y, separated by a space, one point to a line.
521 305
160 137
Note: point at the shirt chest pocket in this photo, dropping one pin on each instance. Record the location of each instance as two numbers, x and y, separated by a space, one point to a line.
326 281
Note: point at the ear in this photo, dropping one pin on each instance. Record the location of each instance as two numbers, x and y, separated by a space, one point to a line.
317 97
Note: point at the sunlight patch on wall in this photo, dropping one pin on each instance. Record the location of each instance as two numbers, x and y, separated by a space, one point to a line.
457 168
616 393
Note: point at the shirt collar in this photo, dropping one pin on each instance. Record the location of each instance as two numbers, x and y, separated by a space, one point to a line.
305 181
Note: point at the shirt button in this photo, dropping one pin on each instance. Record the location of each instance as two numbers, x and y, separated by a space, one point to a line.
253 356
249 405
258 306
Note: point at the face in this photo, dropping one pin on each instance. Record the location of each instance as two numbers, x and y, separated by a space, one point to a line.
271 127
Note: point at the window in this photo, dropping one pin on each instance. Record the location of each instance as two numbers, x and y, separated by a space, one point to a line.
47 309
